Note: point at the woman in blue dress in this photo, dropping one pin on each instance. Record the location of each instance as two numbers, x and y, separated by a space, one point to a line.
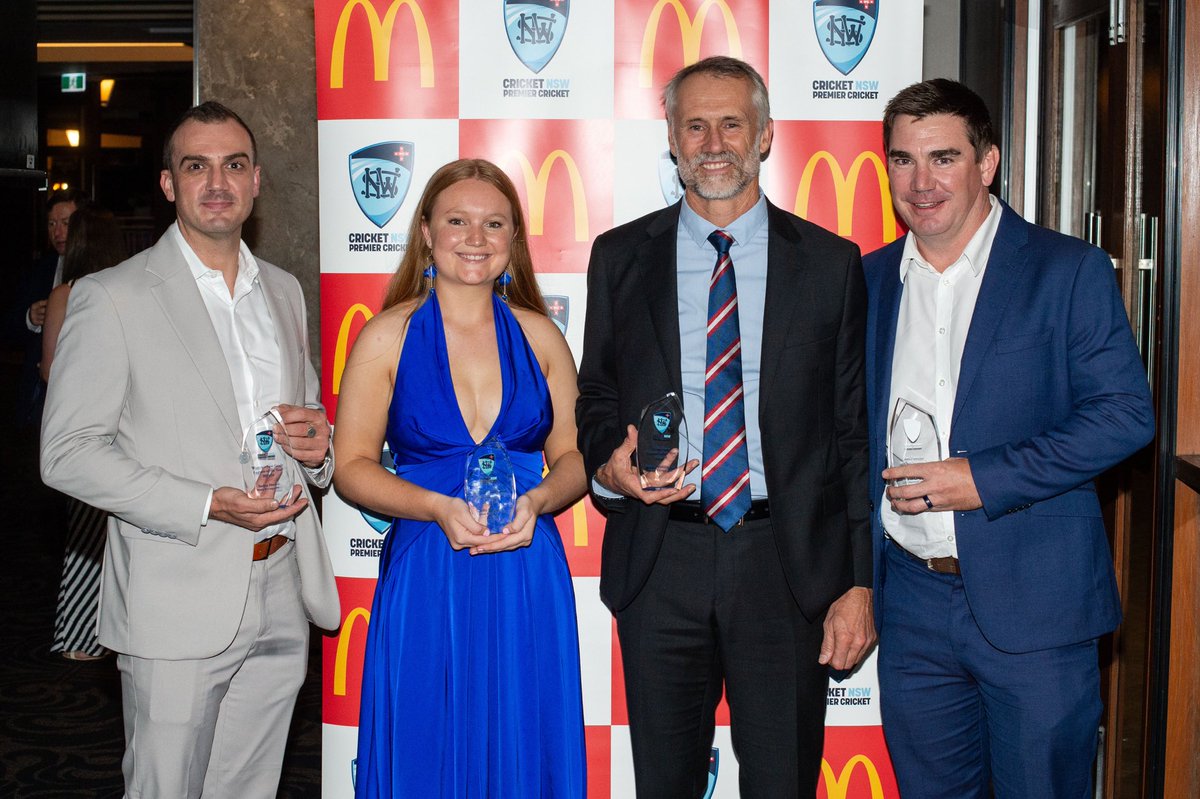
471 682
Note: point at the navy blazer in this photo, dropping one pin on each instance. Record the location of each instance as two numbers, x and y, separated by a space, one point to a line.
1051 393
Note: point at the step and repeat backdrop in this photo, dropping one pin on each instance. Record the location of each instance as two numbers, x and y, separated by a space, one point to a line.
564 95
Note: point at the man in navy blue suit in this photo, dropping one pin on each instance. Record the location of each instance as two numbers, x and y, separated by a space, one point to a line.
27 310
993 577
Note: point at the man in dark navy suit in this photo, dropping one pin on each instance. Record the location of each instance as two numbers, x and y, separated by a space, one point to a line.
1009 345
25 317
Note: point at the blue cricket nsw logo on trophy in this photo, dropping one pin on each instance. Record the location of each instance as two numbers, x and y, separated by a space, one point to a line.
379 176
845 29
662 422
535 29
265 440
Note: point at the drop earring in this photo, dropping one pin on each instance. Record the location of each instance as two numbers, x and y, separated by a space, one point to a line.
430 274
503 281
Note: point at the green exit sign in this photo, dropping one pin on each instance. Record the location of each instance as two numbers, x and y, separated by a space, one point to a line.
74 81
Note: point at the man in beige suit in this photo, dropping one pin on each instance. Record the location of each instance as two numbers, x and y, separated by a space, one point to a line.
162 364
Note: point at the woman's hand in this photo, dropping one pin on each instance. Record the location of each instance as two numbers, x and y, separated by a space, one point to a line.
517 533
461 527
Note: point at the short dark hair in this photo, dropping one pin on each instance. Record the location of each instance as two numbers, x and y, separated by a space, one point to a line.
209 113
67 196
720 66
942 96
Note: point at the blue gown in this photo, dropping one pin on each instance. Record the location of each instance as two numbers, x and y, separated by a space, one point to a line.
471 679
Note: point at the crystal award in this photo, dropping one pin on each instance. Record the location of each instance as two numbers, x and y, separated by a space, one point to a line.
490 487
268 471
662 444
914 438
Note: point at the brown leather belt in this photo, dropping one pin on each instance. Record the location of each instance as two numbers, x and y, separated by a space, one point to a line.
269 546
694 512
946 565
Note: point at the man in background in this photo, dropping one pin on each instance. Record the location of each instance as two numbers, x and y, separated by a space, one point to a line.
25 318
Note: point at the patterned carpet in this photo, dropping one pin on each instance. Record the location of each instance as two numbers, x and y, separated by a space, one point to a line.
60 721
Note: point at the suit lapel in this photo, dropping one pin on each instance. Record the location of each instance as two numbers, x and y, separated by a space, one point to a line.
786 275
659 286
884 346
179 297
1004 269
283 319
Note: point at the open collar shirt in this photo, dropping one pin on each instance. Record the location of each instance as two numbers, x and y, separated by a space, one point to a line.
935 317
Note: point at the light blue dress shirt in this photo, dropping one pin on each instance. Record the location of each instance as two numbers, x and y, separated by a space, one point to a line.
694 262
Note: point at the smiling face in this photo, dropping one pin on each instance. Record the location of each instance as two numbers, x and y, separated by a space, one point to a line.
716 140
212 180
938 187
470 231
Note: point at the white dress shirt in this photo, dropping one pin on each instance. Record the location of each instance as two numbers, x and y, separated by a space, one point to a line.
935 317
247 336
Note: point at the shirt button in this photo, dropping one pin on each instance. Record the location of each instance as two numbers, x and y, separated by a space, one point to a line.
941 382
950 538
942 330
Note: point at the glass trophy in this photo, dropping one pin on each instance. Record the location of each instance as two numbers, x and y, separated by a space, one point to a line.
268 471
662 444
914 438
490 486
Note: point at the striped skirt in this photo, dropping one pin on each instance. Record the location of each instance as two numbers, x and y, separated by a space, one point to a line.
79 592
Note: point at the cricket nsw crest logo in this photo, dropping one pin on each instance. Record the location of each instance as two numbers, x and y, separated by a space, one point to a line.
379 176
845 29
535 29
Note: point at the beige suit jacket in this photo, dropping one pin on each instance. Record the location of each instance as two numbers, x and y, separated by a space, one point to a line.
141 421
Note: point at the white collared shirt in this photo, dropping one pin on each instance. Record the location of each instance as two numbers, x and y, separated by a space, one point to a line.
246 334
935 316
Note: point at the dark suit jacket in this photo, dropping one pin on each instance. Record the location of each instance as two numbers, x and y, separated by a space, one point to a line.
1051 392
811 408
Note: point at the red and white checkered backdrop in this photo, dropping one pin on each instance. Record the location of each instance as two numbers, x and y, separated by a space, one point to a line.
564 96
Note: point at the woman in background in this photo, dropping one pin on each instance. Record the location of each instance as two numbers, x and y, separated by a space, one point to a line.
94 242
471 683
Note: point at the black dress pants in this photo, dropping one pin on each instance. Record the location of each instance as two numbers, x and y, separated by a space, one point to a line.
717 613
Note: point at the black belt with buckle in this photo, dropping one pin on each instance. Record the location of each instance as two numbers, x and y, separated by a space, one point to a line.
946 565
693 512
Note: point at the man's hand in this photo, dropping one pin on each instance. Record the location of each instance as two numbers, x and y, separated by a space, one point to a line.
37 313
620 476
849 630
234 506
948 485
308 432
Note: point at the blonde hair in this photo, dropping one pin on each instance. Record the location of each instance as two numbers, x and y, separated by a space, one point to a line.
408 282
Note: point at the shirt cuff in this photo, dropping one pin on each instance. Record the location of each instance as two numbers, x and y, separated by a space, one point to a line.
29 323
601 491
207 509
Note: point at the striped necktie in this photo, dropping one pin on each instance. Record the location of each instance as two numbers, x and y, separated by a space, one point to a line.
725 477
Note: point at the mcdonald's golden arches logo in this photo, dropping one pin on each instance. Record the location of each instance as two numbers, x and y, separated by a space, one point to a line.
342 656
845 185
381 31
691 28
536 185
838 787
341 350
